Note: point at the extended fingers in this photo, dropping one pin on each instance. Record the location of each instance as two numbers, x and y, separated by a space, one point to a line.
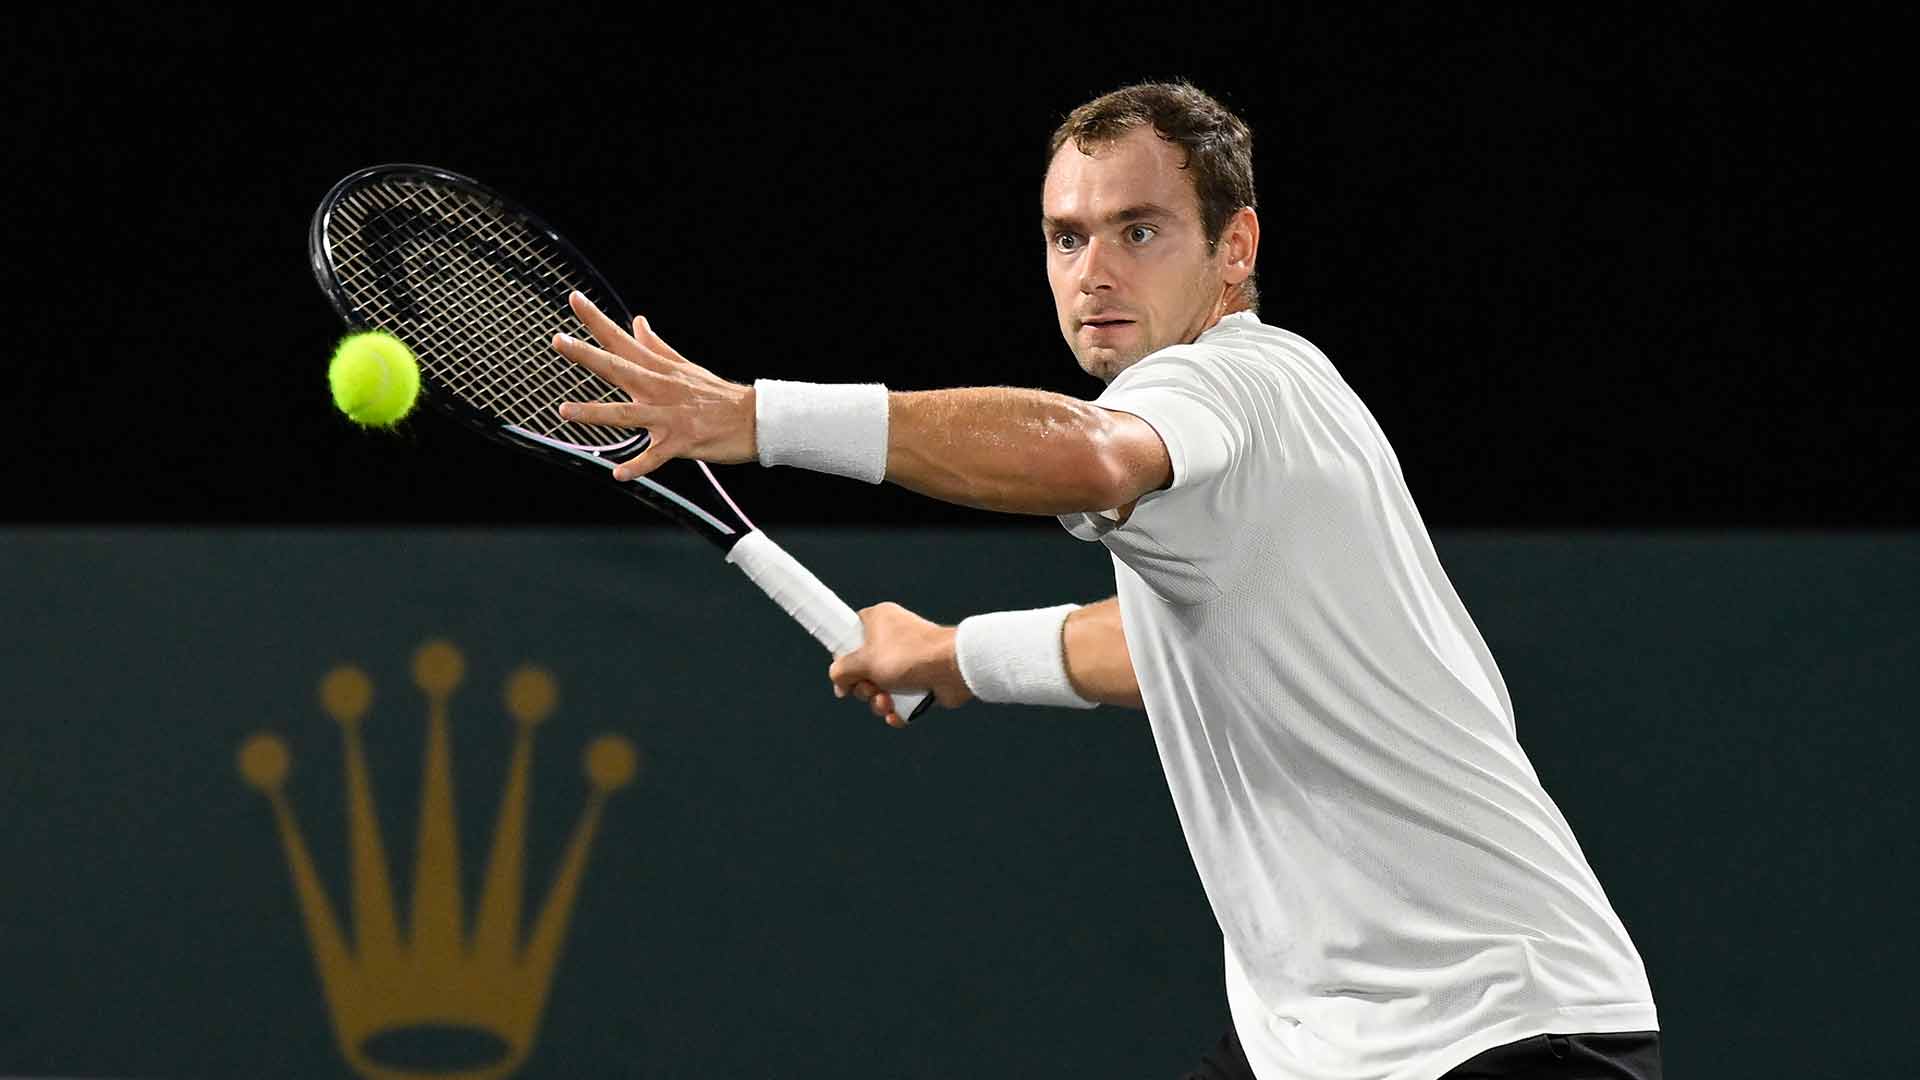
614 369
604 330
614 340
620 414
635 380
652 342
640 382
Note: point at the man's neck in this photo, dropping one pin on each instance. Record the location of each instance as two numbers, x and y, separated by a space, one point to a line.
1232 302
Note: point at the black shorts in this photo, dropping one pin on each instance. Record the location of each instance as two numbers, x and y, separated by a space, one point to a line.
1632 1055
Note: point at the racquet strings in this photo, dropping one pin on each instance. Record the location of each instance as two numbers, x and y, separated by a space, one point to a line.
477 294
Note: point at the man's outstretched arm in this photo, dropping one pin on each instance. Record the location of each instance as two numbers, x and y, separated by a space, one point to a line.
997 448
1026 657
1021 451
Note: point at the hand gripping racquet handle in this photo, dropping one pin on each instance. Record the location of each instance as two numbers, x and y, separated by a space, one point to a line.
814 606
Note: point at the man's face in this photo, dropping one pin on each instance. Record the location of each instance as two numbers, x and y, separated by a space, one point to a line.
1126 255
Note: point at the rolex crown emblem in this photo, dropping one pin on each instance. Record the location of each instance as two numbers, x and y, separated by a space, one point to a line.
478 988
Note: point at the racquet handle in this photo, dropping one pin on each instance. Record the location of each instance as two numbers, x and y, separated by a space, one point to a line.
814 606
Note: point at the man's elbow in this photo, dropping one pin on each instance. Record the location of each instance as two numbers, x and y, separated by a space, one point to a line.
1126 460
1114 486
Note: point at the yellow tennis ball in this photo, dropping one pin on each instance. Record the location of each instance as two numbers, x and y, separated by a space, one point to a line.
375 378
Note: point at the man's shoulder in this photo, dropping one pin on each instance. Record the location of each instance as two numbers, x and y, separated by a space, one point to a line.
1243 334
1237 342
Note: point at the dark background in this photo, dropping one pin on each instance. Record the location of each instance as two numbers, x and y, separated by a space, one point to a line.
1588 270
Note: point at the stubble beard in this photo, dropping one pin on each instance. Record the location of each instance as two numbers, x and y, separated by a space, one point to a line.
1107 364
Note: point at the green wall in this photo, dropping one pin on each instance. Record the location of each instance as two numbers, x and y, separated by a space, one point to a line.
790 889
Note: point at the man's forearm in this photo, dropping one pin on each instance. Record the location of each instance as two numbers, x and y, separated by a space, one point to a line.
1020 451
1098 664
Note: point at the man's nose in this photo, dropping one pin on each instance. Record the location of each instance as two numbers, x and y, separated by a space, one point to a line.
1096 267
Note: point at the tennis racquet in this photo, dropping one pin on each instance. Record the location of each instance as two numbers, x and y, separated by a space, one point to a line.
477 287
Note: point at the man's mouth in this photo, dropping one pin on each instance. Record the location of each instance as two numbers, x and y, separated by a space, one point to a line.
1099 323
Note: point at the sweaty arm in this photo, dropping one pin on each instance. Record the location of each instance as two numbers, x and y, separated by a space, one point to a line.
1022 451
996 448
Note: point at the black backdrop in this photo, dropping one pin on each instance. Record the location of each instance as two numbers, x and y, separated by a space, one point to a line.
1588 270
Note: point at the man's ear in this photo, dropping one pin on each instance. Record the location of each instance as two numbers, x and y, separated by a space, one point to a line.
1240 243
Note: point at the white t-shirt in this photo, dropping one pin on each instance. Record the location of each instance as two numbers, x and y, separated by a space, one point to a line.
1396 890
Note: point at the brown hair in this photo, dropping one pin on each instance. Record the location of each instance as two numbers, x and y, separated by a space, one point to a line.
1219 145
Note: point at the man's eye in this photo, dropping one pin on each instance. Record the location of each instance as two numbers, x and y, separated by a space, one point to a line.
1140 234
1065 241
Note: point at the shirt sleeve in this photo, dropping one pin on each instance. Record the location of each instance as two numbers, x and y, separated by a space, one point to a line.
1187 406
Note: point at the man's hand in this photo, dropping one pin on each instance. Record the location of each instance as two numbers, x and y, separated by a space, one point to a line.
903 651
687 410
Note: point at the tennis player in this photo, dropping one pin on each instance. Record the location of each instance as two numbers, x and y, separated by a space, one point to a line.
1399 898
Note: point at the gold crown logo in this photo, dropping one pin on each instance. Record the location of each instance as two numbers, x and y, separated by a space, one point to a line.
488 988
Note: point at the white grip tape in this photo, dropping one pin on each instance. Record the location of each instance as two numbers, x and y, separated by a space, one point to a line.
814 606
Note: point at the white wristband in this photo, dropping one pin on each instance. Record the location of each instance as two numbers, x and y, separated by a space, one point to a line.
1018 657
830 428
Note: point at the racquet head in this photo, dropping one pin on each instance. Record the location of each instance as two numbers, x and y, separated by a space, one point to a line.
477 287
